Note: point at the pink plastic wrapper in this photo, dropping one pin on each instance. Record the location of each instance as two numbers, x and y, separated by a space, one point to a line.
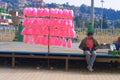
26 39
69 44
64 43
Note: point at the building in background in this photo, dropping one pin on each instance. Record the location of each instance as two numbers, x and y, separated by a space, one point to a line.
38 3
3 5
5 19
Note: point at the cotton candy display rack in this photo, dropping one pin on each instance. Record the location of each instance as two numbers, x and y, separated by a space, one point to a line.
46 26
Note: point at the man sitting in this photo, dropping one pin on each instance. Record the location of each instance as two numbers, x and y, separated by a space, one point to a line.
89 46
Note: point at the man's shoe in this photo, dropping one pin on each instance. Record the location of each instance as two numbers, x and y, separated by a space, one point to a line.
90 69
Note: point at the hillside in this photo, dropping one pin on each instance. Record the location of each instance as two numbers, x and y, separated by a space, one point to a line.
111 14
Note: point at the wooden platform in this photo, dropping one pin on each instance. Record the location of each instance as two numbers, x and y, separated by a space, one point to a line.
16 50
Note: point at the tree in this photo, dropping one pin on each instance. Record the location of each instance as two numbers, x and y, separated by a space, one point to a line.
78 21
105 22
96 23
52 5
87 23
117 23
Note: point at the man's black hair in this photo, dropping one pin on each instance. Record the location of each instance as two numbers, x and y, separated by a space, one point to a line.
90 33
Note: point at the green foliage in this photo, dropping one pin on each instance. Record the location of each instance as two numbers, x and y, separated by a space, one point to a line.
87 23
78 21
105 22
117 23
96 23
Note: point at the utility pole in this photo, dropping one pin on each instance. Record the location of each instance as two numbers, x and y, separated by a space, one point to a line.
102 15
91 25
92 12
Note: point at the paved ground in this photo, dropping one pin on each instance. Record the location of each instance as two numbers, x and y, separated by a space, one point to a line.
34 74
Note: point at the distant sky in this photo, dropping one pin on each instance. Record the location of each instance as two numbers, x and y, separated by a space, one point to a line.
114 4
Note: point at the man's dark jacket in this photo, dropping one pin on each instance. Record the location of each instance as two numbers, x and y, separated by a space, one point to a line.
84 47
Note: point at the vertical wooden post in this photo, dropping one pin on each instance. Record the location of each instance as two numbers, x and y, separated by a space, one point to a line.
48 39
66 64
48 46
13 60
48 63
